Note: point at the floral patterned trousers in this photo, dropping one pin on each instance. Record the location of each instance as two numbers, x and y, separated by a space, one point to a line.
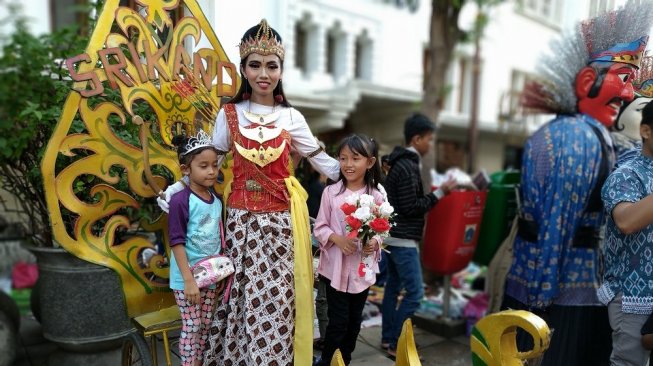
196 320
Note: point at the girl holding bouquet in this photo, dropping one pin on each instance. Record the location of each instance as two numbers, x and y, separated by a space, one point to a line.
353 218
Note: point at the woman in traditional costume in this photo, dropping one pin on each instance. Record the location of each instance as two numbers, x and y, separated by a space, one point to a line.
268 315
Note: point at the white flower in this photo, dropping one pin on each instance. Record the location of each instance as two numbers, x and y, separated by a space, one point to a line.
385 209
366 200
362 213
382 190
352 199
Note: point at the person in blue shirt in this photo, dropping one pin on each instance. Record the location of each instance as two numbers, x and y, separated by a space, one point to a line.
194 226
628 249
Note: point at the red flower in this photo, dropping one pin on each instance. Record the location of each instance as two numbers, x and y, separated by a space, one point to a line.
347 208
353 223
380 225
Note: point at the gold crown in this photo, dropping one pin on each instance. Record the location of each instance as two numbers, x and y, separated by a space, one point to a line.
265 43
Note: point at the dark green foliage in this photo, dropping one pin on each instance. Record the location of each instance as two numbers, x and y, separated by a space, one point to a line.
34 84
33 87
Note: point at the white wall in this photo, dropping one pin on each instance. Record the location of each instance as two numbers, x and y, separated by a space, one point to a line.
37 11
514 42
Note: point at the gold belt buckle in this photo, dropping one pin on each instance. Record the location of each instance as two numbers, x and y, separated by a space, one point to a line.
253 186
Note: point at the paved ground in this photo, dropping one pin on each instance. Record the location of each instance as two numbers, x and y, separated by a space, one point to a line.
433 349
34 350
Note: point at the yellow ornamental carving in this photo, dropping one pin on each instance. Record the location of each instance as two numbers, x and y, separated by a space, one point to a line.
130 54
493 340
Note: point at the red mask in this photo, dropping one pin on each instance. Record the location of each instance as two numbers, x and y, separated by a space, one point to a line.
615 89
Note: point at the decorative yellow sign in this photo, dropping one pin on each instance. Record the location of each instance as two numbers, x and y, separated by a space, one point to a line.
142 54
494 343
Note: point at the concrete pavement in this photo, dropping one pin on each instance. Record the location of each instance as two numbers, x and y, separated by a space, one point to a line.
34 350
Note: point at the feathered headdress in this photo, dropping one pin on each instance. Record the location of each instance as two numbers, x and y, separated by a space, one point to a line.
616 36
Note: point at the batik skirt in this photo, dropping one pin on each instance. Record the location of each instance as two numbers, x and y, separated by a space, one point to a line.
255 326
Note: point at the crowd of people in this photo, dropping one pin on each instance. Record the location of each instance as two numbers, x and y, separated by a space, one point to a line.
260 314
582 256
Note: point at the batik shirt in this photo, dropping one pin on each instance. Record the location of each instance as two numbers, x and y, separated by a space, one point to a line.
628 258
622 143
560 167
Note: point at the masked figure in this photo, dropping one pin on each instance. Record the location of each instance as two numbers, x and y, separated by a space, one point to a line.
555 269
625 131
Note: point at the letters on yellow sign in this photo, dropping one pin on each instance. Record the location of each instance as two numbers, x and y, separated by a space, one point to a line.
115 68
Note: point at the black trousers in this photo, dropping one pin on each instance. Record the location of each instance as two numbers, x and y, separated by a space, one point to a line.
345 317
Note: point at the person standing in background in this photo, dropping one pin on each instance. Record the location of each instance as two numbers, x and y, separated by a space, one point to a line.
406 194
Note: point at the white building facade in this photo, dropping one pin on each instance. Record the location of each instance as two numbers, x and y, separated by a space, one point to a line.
357 66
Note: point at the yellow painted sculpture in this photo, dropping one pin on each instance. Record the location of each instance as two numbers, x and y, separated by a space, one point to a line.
493 339
337 359
406 348
141 54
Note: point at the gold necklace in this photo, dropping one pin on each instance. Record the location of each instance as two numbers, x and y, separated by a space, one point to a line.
262 119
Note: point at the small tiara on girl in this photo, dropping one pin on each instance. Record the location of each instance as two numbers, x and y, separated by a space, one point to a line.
196 142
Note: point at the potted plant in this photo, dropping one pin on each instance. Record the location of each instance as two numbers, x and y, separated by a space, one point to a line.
33 89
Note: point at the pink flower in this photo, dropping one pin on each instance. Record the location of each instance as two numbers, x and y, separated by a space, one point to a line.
347 208
380 225
352 234
353 223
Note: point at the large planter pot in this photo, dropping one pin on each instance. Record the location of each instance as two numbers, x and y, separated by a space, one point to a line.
82 305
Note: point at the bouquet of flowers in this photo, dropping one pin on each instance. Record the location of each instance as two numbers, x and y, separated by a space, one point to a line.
365 219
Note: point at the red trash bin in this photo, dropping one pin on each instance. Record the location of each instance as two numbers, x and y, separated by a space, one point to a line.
451 234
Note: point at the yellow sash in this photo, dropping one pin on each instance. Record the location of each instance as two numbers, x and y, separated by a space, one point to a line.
303 342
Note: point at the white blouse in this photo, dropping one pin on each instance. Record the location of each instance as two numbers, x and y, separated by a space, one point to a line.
291 120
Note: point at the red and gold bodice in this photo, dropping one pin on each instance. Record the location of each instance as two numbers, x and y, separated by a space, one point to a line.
261 164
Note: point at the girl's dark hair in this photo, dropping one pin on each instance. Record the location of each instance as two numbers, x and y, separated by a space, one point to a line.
367 147
180 142
417 124
244 85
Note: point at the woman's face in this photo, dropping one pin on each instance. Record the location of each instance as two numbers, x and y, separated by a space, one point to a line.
263 74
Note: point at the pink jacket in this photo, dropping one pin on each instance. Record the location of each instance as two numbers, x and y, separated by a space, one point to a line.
340 269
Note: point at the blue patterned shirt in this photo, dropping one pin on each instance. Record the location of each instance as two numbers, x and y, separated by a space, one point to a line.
628 258
560 167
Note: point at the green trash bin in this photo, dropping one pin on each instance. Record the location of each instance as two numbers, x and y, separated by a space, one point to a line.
500 209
